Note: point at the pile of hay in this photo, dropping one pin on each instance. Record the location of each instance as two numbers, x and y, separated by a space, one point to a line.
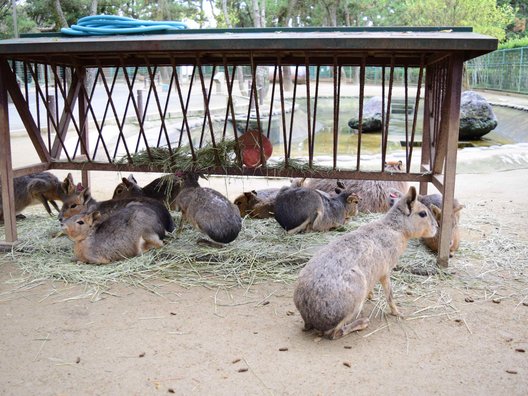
261 253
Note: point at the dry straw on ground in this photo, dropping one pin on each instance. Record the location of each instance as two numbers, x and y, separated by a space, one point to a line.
264 253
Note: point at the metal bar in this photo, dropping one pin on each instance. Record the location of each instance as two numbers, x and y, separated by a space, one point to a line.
83 121
425 160
230 80
337 94
415 114
295 79
184 108
385 135
131 98
308 109
283 112
109 103
362 72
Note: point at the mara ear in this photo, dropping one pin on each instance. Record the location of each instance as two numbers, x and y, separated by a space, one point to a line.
410 198
127 182
353 198
85 195
458 208
340 185
202 175
400 165
79 188
254 192
437 213
132 179
94 216
249 195
68 186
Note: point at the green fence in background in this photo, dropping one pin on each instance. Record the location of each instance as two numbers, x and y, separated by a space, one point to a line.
503 70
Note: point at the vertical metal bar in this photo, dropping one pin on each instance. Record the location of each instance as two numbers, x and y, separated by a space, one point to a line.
230 80
415 115
519 83
6 166
362 72
283 112
184 108
337 86
272 98
254 87
206 92
290 136
406 88
385 133
316 96
427 125
83 122
308 108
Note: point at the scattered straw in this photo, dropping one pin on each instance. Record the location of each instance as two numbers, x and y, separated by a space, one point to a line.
263 252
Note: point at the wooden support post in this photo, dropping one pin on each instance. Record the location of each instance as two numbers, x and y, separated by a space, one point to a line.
448 151
6 166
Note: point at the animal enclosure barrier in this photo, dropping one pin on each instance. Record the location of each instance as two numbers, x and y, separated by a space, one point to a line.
162 103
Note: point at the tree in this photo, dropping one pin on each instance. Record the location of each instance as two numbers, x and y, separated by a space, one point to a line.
485 16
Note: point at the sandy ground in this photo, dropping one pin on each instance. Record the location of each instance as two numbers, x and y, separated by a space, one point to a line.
238 341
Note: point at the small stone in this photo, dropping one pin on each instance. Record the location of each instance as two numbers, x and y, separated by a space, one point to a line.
496 301
290 313
142 354
469 300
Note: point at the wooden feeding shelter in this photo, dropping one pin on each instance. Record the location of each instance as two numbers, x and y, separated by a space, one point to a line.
166 102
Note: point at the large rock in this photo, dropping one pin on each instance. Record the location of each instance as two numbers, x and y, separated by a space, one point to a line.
476 116
371 116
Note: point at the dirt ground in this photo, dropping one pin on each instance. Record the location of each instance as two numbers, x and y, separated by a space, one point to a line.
196 340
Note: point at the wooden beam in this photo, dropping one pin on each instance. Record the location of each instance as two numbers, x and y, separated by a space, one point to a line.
450 148
6 167
427 127
9 81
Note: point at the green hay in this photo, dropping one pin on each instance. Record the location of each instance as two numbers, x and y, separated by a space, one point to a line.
180 159
223 155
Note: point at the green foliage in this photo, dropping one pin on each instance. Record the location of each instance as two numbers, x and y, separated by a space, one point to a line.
515 43
485 16
24 23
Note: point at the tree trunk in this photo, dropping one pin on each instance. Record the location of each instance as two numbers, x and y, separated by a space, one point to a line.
256 14
93 7
60 14
226 14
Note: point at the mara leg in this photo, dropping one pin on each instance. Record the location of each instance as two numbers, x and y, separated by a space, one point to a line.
385 282
347 326
319 224
301 227
152 241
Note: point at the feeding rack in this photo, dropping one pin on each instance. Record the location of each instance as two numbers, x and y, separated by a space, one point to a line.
100 103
